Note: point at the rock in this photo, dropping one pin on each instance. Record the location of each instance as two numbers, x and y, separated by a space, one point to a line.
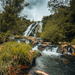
30 54
61 43
39 72
34 43
64 50
40 40
62 46
65 61
73 46
30 38
67 48
41 47
47 43
73 54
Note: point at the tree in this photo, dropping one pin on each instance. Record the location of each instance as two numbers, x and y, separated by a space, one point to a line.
61 25
9 19
16 5
54 5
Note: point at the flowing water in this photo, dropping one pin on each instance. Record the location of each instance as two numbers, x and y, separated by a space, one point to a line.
51 61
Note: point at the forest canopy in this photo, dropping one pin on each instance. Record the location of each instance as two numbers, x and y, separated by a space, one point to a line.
61 25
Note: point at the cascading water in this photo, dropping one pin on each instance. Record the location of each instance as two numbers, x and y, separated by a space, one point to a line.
30 29
50 62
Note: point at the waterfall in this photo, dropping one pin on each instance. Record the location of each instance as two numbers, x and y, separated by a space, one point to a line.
30 30
50 61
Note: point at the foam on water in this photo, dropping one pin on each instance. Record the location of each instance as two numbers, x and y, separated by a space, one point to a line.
35 48
30 29
49 52
26 32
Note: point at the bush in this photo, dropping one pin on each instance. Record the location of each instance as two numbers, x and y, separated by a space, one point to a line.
73 42
12 49
13 53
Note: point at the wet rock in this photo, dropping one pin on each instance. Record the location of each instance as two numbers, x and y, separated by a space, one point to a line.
68 58
64 45
67 49
30 38
34 43
39 72
30 54
46 43
61 43
65 61
41 41
73 46
41 47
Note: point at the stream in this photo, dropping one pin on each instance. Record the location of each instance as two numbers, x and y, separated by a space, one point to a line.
51 61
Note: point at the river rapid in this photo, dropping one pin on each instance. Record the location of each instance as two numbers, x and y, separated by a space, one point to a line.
51 60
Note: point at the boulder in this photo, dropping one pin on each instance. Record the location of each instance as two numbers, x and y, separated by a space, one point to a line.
64 45
30 38
39 72
40 40
41 47
67 48
34 43
47 43
61 43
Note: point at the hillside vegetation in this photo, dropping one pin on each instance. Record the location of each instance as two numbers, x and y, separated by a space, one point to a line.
61 25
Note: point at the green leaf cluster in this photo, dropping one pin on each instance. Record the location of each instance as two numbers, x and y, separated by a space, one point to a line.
20 50
60 26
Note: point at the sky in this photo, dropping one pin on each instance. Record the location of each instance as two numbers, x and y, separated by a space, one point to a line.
36 10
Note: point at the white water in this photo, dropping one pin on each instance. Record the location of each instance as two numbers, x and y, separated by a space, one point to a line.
49 52
40 24
30 29
50 61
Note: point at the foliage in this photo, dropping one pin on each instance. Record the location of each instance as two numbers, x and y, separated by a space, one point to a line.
37 31
60 26
9 19
4 36
16 5
12 48
73 42
14 53
54 5
35 54
17 52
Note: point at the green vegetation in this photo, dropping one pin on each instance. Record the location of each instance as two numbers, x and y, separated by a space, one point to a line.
61 25
73 42
14 53
37 32
10 20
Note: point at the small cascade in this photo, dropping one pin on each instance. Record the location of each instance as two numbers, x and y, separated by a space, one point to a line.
30 30
52 51
40 29
51 61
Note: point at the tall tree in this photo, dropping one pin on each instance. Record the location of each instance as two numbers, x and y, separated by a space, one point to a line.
55 4
12 8
16 5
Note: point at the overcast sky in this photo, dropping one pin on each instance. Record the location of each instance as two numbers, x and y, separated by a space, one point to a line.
36 10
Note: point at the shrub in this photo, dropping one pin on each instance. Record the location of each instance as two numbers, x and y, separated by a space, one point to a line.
12 49
73 42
